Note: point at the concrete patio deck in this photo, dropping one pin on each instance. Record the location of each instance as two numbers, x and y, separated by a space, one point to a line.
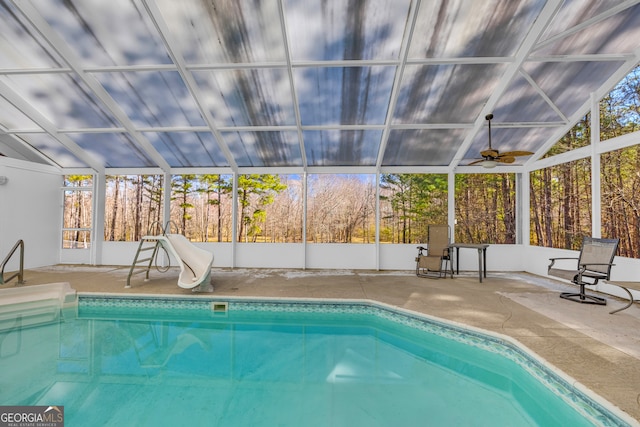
599 350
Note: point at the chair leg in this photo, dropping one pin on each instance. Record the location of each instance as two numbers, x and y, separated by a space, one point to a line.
445 267
433 274
583 297
422 272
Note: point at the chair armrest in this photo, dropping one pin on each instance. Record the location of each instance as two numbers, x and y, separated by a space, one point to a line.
589 272
553 260
596 263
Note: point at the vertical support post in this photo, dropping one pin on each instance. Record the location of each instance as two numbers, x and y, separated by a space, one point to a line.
377 221
166 199
596 194
523 211
451 204
166 210
305 195
97 227
61 230
234 218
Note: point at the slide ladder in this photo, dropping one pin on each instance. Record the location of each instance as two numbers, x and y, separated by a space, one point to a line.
195 263
141 264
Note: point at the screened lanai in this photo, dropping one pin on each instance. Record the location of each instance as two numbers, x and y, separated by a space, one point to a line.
297 88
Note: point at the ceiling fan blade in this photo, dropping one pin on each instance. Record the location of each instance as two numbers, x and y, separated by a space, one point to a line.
515 153
475 162
489 153
507 159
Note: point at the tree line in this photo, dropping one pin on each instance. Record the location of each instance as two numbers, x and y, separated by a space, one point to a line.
340 208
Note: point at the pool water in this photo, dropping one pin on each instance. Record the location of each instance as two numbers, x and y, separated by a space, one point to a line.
150 362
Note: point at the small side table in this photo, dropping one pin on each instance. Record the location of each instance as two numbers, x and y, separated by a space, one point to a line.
482 256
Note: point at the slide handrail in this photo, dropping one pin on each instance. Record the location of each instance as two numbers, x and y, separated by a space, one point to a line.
168 227
20 273
157 229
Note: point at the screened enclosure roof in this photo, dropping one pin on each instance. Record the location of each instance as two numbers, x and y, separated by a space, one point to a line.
301 85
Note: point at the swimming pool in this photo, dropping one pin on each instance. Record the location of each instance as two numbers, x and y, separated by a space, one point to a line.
165 361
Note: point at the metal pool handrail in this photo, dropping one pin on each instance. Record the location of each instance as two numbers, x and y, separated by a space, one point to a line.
20 273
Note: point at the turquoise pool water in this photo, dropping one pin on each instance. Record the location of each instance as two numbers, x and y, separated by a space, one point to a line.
168 362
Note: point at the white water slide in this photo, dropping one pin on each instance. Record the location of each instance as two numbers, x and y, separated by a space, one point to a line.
195 263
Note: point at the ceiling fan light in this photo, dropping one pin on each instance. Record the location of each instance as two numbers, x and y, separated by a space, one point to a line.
489 164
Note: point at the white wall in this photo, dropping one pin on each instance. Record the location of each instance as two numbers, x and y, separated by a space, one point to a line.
341 256
30 209
265 255
398 256
357 256
329 256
